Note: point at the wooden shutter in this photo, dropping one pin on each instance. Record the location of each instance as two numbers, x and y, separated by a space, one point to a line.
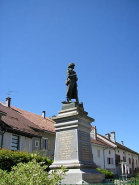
41 144
48 144
107 160
15 142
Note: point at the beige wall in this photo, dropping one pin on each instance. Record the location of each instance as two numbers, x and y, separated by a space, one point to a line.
24 142
29 143
128 155
7 140
33 144
50 137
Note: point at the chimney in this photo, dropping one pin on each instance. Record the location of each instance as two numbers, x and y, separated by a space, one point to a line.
8 102
93 133
43 113
113 137
122 142
107 136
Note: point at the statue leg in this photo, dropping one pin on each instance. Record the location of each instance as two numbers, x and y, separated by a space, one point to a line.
76 93
69 91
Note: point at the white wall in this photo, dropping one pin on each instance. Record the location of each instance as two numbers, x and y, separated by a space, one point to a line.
110 154
104 153
99 161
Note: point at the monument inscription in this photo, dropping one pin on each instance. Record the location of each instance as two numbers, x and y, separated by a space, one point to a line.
84 146
67 146
66 149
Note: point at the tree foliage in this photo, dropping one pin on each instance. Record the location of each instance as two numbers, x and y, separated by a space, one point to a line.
9 158
108 174
31 173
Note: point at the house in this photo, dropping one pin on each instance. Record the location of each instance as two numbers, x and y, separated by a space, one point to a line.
126 160
21 130
16 132
103 152
46 130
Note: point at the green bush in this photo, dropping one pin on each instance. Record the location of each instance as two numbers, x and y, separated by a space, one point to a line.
108 174
9 158
31 173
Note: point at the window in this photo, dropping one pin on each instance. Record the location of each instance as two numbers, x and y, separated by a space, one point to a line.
45 144
124 158
109 152
117 159
15 142
98 153
110 160
136 161
133 161
36 143
129 160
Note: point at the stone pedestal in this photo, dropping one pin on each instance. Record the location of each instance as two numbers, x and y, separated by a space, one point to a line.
73 145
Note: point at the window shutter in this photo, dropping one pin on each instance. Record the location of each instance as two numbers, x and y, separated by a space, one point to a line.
107 160
111 160
41 143
48 144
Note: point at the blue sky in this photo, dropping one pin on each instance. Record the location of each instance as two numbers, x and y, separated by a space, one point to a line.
38 39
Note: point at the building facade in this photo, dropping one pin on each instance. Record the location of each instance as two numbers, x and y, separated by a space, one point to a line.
20 130
126 160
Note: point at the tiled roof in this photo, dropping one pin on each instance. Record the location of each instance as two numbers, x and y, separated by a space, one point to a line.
45 124
15 121
101 142
125 148
120 145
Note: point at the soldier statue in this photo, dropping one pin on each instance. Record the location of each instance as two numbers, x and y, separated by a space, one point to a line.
71 82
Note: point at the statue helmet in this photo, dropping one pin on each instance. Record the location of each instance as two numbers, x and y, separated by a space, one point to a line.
71 64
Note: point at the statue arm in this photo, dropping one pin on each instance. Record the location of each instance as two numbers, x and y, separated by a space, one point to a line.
70 76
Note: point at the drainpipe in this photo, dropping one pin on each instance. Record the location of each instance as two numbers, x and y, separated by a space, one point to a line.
104 155
2 137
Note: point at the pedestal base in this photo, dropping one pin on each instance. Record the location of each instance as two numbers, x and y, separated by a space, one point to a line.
84 176
73 146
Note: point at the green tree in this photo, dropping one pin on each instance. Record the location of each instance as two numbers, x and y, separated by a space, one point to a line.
31 173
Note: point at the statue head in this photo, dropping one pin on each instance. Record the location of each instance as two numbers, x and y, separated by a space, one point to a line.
71 65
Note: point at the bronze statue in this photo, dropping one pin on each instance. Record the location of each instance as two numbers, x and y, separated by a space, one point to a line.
71 82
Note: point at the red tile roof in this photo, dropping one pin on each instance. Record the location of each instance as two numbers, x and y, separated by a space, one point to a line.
15 121
120 146
125 148
101 142
45 124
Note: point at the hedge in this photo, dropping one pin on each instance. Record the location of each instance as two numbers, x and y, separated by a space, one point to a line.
108 174
31 173
9 158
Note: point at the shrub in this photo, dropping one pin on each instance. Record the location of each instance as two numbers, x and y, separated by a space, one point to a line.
9 158
108 174
31 173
